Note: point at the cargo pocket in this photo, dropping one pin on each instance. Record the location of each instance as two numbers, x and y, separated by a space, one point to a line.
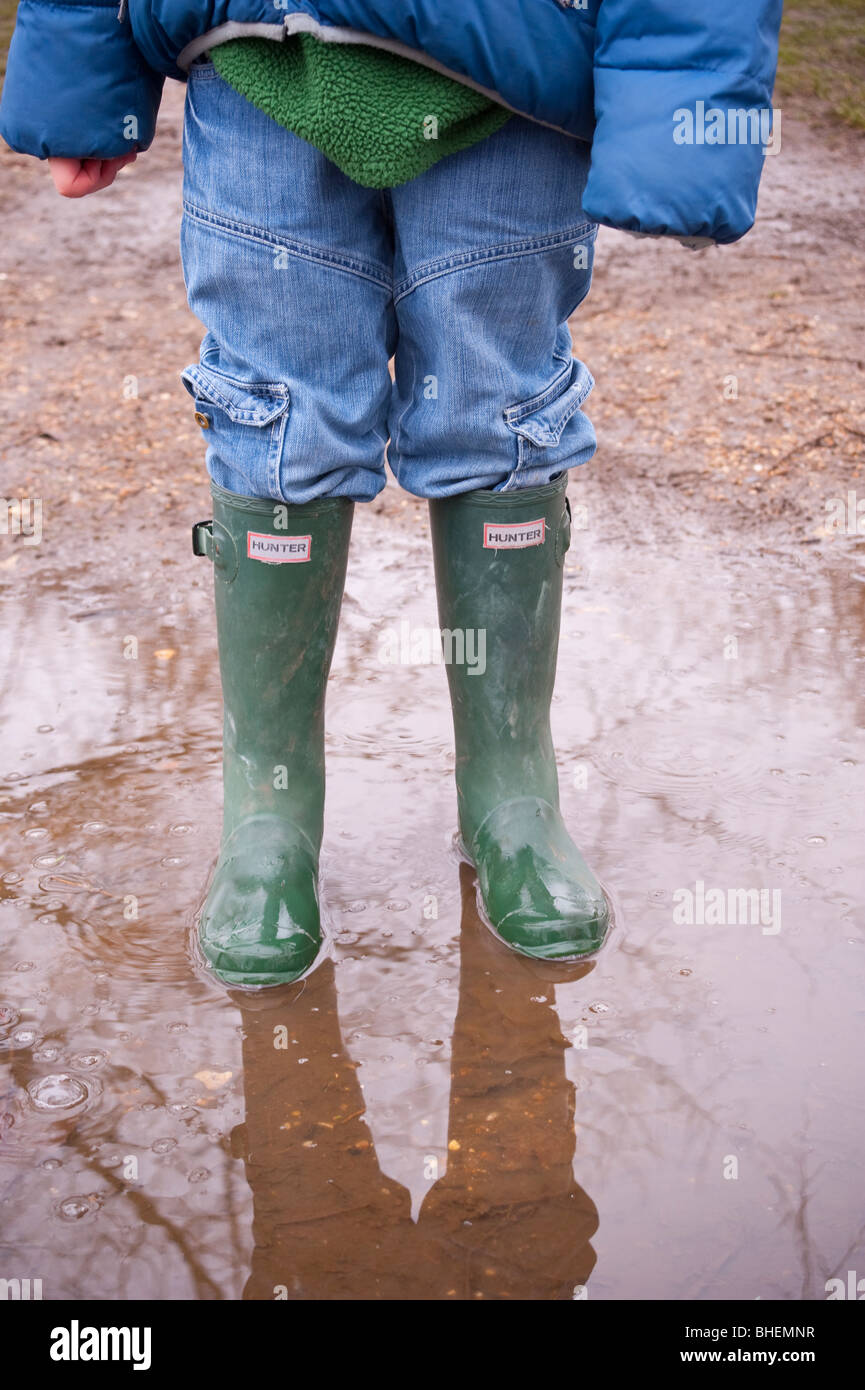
551 430
244 426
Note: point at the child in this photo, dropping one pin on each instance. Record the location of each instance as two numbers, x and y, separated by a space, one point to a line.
421 181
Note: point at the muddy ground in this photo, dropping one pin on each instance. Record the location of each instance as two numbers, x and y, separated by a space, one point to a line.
681 1118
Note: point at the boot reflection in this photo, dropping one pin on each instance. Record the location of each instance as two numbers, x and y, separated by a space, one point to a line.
507 1220
326 1223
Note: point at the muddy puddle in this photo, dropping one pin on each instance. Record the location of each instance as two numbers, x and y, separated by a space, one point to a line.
428 1115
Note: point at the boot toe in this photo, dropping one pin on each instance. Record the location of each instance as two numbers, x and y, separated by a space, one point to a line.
569 934
261 925
536 891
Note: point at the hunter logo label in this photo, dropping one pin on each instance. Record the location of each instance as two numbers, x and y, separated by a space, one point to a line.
277 550
514 535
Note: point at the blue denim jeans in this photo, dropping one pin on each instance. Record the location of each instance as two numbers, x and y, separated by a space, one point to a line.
308 284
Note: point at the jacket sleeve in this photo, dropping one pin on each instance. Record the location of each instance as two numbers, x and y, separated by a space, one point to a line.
76 84
683 92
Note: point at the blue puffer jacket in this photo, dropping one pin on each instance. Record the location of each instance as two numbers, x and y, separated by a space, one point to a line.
674 94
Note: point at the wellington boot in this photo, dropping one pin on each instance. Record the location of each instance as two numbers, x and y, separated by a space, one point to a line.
279 575
498 560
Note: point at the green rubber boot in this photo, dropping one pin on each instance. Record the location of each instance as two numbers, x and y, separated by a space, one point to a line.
279 574
498 560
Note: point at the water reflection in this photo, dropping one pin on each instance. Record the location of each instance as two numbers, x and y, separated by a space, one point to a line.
505 1220
127 1076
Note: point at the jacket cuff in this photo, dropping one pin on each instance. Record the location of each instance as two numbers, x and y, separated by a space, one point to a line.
76 85
678 155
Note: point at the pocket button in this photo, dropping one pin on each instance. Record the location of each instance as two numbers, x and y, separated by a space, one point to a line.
202 420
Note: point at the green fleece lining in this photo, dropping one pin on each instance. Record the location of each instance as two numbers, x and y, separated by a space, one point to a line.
381 118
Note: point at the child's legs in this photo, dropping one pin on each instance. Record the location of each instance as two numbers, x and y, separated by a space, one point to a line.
493 253
288 264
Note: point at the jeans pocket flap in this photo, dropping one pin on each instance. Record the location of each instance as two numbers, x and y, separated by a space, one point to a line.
543 418
245 402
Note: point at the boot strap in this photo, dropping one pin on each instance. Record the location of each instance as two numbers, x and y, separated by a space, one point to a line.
563 535
211 539
202 539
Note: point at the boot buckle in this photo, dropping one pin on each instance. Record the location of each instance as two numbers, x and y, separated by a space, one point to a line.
563 535
213 540
202 539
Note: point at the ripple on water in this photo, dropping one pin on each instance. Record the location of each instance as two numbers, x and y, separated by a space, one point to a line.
91 931
76 1208
63 884
9 1017
60 1093
88 1061
716 764
378 744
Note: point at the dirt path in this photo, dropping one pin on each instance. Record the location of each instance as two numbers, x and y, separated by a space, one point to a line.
730 382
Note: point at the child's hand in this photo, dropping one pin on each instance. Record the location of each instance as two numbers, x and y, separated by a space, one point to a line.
75 178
